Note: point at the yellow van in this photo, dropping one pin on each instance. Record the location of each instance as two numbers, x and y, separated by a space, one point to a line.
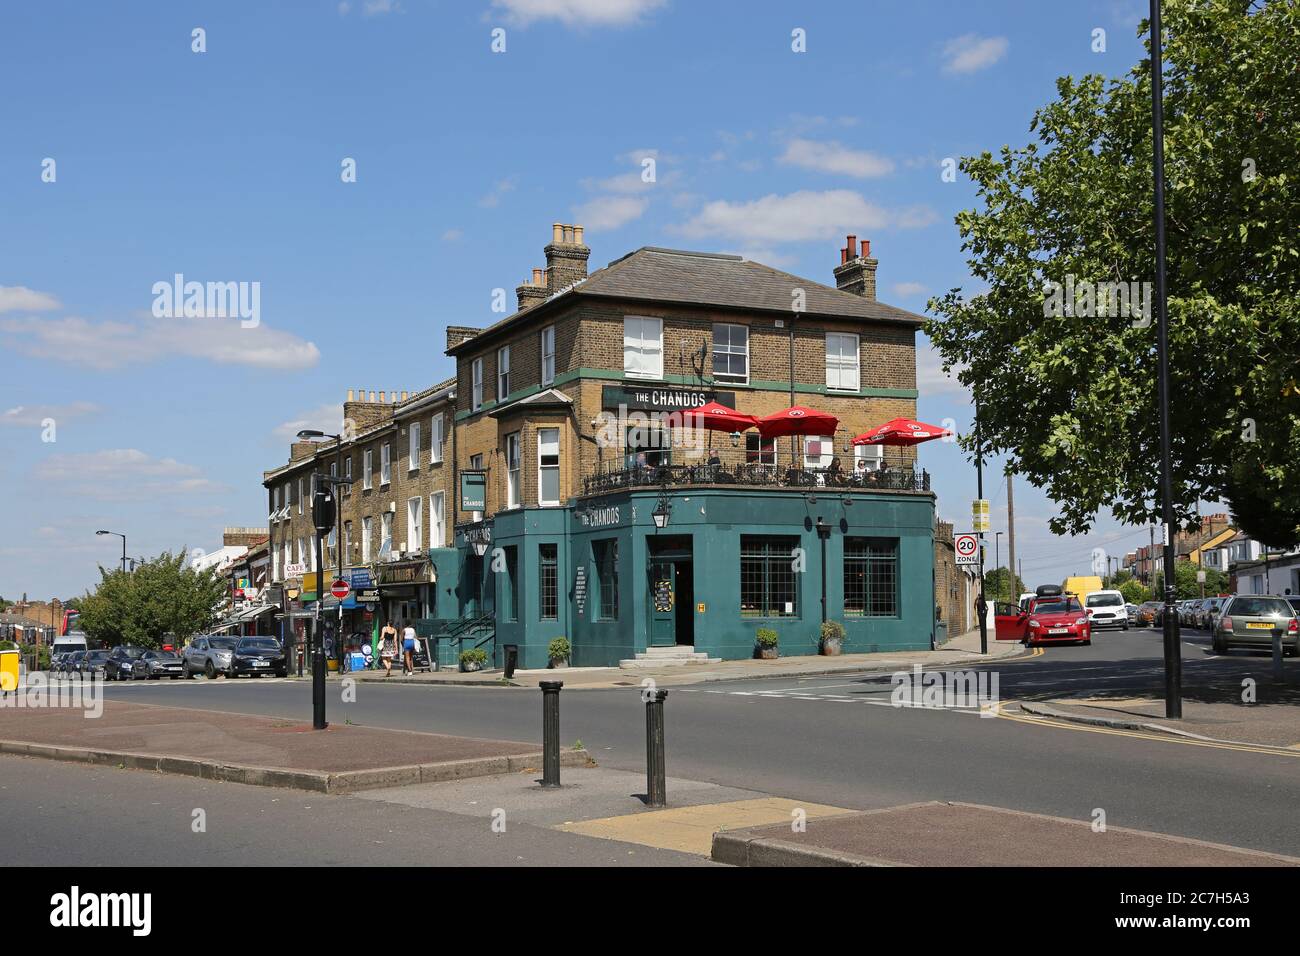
1078 588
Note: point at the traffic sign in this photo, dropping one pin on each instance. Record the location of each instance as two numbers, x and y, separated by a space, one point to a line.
979 511
967 547
340 588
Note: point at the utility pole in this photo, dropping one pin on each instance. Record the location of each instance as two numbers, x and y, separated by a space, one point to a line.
979 495
1172 648
1011 535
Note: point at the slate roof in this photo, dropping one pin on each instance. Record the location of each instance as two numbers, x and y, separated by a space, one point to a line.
654 274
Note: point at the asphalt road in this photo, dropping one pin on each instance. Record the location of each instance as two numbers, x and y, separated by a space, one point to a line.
835 740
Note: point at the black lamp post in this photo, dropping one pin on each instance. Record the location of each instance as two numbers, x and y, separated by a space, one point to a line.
1173 652
123 537
323 521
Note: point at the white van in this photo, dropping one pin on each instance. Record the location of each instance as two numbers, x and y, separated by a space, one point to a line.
1106 609
67 643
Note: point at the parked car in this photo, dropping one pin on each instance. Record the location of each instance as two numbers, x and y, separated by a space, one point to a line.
92 663
70 663
1132 610
209 655
121 662
1251 620
54 662
1106 609
1185 609
1209 611
257 656
1051 617
152 665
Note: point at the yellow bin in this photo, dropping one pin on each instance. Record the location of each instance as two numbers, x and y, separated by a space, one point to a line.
9 673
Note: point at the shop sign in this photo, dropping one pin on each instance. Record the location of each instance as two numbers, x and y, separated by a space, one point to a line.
367 596
473 491
361 578
295 570
480 533
615 397
580 588
601 517
405 572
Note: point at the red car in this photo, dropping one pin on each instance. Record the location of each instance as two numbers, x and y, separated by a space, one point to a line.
1049 619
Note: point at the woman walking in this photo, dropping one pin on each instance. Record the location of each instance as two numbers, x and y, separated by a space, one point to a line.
388 647
408 650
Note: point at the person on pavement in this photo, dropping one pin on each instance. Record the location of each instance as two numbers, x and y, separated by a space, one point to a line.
408 650
388 647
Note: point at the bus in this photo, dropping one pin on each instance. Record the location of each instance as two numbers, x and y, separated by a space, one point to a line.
70 615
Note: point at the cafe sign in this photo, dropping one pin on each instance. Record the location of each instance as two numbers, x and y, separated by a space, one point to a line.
656 399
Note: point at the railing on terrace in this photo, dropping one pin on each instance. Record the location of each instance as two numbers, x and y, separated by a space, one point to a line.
891 476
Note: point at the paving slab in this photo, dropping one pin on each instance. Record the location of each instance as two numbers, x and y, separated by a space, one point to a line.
965 834
267 751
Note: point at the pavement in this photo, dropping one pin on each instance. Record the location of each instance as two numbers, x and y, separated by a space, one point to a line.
1228 721
965 834
265 751
959 651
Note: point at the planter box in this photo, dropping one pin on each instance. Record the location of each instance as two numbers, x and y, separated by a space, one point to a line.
558 663
832 648
469 667
768 653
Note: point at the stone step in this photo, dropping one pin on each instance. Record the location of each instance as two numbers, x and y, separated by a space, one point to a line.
641 661
677 650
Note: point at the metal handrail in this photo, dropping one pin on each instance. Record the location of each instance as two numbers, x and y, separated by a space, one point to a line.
892 476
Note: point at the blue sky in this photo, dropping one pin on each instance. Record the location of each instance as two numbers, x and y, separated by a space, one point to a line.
225 165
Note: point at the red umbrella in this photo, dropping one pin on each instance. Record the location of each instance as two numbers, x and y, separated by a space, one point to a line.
718 417
901 431
797 420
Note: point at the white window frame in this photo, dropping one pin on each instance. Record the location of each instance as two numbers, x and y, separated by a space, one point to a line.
503 373
826 451
413 447
476 464
513 456
729 349
438 519
367 468
542 469
386 531
476 384
300 494
414 524
838 367
365 539
873 455
650 364
435 440
347 542
385 464
548 355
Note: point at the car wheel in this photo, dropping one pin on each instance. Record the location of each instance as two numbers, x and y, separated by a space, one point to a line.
209 671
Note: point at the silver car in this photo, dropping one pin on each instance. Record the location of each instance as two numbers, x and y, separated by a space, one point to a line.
209 655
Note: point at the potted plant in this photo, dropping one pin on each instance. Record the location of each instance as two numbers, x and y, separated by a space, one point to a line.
832 638
558 652
473 659
765 638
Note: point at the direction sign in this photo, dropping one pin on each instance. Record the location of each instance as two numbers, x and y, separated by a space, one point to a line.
340 588
967 547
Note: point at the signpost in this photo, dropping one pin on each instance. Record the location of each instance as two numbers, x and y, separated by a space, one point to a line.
967 546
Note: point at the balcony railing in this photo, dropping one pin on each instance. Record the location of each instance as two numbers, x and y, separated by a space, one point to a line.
892 476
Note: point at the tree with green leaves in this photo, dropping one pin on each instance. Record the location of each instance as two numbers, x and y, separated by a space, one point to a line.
1001 585
1185 583
161 596
1133 590
1071 211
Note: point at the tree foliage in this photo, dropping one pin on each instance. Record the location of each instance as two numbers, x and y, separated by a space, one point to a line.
1071 400
162 596
1001 585
1186 585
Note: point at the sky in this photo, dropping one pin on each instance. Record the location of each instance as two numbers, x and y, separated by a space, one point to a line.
374 169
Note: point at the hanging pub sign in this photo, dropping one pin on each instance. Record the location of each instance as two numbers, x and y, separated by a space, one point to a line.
655 399
473 491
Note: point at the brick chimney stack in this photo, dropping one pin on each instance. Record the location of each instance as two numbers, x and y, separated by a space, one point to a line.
856 272
533 290
566 257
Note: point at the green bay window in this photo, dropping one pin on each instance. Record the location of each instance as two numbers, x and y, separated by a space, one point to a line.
871 577
549 580
767 576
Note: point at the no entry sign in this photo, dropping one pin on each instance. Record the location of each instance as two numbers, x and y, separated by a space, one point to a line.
967 547
340 588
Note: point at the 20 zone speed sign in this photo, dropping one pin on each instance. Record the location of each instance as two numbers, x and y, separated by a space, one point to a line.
967 547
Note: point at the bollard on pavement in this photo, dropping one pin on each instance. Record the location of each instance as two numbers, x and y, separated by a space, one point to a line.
551 732
656 788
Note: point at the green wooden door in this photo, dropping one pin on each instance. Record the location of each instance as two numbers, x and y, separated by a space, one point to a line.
663 604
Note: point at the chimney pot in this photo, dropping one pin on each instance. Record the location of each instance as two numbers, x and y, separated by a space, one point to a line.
381 396
349 395
866 248
577 234
851 245
538 277
557 232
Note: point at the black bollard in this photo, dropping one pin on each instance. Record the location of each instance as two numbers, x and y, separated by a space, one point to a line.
1277 655
656 788
551 732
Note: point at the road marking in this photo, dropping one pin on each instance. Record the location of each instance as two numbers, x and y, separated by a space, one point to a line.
691 829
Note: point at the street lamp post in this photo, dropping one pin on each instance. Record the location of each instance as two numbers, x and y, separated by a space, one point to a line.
997 559
318 664
123 537
1173 652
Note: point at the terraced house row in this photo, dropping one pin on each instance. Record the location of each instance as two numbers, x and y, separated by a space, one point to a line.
554 487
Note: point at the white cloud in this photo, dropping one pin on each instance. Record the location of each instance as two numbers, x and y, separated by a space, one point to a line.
326 418
908 288
32 416
970 52
578 13
499 189
18 298
832 157
108 345
610 212
802 216
123 474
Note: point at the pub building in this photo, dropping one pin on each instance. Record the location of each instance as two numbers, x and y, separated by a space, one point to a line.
578 499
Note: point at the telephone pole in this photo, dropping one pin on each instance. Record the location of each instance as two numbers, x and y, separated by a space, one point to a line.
1011 535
